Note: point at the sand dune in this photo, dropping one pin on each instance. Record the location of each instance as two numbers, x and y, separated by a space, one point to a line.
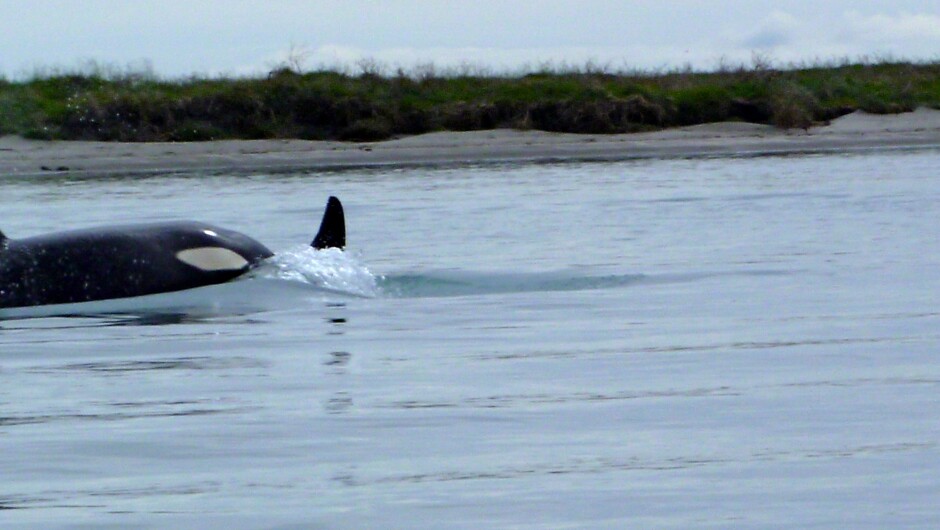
856 131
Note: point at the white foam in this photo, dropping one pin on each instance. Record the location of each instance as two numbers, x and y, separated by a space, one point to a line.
331 269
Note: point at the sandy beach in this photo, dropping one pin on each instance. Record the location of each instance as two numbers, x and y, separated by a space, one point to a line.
856 131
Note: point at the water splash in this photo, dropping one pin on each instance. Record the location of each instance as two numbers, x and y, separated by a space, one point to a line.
328 269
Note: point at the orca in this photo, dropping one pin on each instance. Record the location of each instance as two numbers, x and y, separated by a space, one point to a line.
135 260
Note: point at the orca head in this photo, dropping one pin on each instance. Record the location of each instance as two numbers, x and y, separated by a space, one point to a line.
216 250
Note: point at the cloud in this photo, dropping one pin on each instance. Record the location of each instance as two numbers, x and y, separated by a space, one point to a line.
898 27
778 29
904 35
496 60
795 38
500 36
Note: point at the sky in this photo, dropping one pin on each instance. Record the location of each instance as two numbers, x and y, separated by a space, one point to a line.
179 38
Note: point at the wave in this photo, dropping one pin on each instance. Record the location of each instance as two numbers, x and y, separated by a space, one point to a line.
294 277
463 283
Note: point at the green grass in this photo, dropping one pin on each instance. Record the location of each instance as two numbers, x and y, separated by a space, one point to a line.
127 106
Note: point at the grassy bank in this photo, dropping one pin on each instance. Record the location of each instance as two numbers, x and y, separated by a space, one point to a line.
369 106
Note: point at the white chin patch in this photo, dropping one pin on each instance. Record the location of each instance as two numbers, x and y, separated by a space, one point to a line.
212 259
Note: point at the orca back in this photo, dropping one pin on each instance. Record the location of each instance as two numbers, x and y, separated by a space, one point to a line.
121 261
332 233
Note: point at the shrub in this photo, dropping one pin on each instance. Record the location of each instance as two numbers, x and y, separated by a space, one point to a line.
367 130
195 131
372 106
792 105
701 104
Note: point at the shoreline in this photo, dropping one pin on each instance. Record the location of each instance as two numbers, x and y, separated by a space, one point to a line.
851 133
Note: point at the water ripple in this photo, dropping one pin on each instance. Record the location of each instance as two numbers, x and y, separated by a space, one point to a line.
606 465
178 363
515 400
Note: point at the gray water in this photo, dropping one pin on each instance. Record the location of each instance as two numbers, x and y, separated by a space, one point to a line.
732 342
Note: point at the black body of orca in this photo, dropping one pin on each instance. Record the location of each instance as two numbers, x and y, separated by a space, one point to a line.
135 260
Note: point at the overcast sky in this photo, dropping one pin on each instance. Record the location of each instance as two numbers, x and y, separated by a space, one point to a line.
211 37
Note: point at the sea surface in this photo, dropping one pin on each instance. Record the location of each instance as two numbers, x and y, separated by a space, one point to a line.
683 343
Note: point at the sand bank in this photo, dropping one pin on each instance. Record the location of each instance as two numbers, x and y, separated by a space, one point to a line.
854 132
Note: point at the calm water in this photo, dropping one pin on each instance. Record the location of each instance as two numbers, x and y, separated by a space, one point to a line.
745 343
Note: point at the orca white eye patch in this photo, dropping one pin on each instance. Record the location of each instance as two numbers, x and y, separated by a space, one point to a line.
212 259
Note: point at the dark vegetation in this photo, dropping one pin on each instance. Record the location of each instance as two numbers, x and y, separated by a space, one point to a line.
370 106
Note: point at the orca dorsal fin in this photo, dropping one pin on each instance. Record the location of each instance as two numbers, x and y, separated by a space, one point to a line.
332 232
3 239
